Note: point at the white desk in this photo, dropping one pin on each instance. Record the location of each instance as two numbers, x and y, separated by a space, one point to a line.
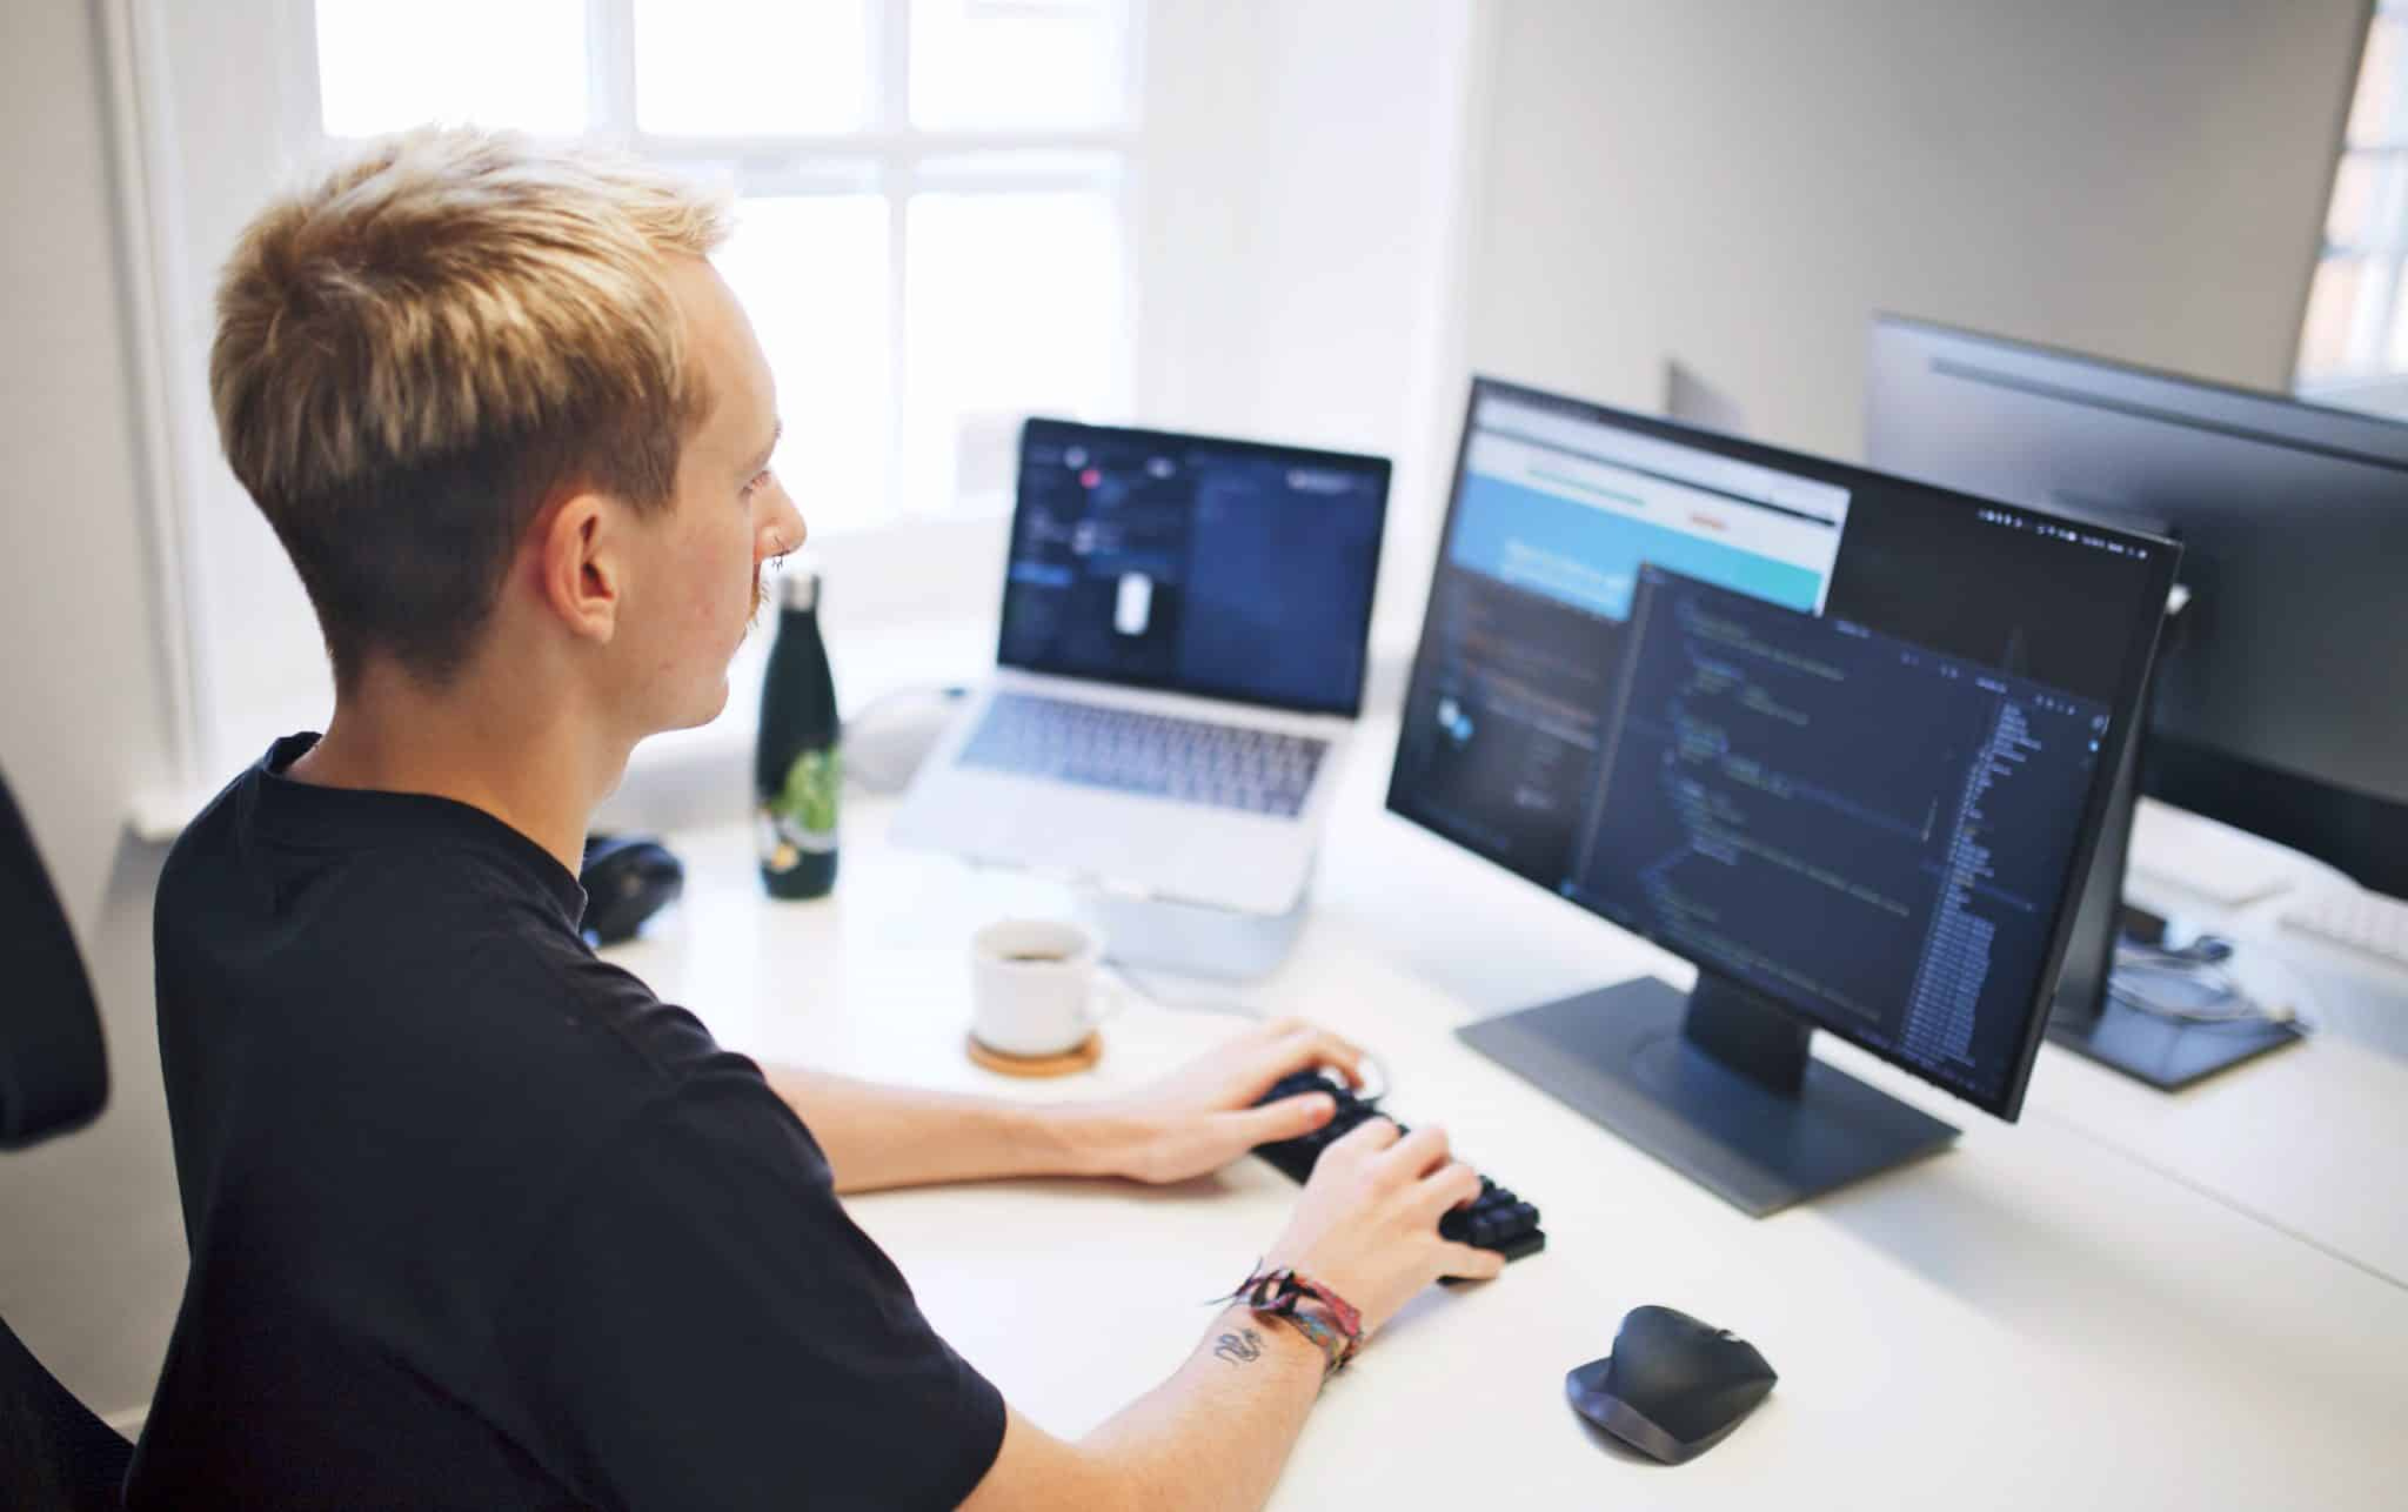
2034 1319
2309 1138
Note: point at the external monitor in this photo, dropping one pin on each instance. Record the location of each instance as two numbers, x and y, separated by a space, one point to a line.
1841 740
2280 704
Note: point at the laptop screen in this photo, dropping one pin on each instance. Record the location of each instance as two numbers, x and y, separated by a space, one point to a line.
1225 569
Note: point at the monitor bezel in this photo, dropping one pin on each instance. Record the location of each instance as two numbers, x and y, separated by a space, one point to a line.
2162 395
2124 717
1380 467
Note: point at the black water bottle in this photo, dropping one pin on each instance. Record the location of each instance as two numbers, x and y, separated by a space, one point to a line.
798 771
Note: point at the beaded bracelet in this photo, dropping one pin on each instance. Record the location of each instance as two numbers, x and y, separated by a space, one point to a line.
1336 1329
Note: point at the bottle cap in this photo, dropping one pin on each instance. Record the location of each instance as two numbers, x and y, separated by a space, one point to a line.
799 585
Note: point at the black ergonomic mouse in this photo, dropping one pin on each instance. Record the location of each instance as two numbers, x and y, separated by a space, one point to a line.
627 878
1673 1387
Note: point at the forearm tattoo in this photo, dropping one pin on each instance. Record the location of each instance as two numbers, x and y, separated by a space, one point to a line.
1243 1347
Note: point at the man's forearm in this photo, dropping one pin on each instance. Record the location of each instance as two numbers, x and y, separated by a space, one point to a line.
1212 1438
877 1136
1217 1433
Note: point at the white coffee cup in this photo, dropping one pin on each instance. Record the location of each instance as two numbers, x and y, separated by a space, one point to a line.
1033 989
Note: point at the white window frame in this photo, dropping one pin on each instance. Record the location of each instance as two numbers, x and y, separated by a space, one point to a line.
897 160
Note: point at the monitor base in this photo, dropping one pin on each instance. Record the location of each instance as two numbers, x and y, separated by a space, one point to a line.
2166 1053
1632 1056
2087 1020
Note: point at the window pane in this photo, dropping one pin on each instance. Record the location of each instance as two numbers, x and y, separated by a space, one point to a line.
2333 311
980 65
383 67
1013 307
2351 220
2395 357
752 67
813 274
2375 112
2387 217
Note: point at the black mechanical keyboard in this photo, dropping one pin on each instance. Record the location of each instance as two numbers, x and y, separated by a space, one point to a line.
1496 1219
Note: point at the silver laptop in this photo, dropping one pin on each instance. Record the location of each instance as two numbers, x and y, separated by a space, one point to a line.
1185 630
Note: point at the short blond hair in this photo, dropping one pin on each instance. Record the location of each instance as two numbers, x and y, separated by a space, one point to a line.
419 351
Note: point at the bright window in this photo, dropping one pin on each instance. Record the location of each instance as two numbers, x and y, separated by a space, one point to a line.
2356 325
747 68
931 193
381 67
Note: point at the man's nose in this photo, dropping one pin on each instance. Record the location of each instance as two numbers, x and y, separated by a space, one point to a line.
781 534
786 529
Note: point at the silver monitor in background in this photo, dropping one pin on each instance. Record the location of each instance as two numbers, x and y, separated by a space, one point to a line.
2280 703
1691 400
2282 698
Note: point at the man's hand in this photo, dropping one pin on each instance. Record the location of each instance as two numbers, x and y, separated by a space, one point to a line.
1366 1225
1202 1117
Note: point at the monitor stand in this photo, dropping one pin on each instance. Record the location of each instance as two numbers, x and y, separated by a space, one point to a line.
1717 1084
2167 1053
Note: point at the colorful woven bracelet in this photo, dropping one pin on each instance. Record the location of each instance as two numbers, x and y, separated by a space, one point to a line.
1334 1326
1336 1348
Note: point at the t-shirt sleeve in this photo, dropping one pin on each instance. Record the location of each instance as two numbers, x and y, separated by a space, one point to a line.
703 1326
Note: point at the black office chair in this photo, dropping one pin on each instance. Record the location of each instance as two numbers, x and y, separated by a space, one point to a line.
53 1078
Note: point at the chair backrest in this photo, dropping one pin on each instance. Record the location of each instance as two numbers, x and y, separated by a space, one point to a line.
53 1073
54 1454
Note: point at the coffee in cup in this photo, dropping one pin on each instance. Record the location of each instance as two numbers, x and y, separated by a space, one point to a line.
1034 991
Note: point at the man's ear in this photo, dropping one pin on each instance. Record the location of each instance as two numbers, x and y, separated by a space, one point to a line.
580 565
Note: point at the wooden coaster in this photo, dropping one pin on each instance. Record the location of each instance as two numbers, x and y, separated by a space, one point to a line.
1077 1057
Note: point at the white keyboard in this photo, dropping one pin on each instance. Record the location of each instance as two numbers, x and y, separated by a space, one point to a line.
2226 865
2364 922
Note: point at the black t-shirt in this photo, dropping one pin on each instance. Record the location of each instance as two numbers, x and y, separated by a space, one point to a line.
478 1221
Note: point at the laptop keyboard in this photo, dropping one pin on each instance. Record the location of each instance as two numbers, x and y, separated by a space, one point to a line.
1220 765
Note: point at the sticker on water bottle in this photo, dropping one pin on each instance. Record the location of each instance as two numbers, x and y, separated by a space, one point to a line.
801 820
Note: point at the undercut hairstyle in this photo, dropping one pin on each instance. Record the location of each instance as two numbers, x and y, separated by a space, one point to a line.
418 353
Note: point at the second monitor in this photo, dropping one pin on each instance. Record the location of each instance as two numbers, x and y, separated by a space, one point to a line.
1838 739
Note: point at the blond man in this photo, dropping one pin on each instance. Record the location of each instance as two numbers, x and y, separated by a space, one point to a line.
476 1220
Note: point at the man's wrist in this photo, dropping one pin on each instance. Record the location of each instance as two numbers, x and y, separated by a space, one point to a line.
1087 1139
1245 1338
1321 1315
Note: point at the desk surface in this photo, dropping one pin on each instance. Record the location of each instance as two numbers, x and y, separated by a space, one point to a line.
2052 1313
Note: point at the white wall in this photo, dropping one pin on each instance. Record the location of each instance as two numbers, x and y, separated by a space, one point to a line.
1741 183
91 1245
1297 233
